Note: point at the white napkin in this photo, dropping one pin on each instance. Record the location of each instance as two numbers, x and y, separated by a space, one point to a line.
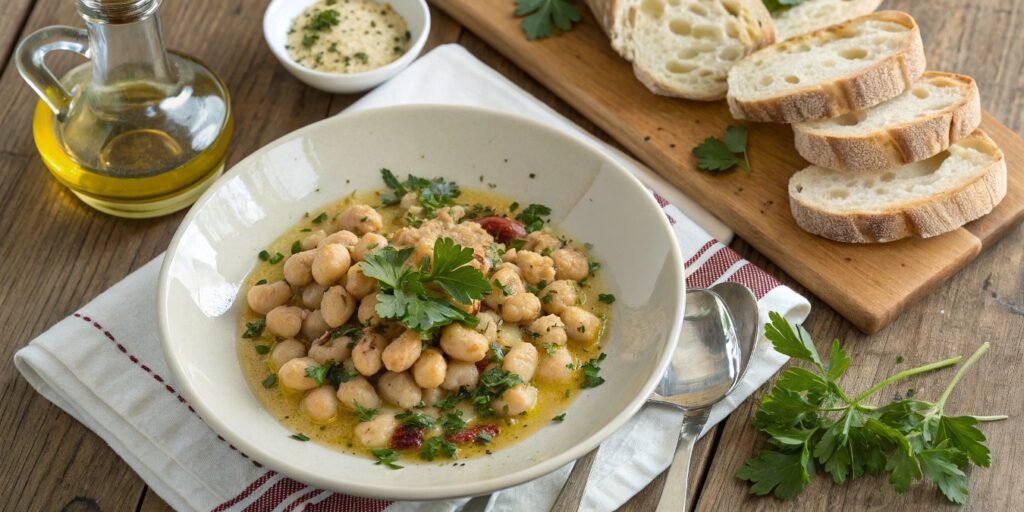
104 366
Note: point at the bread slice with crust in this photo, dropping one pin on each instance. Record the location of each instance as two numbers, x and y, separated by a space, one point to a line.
925 198
938 110
844 68
811 15
684 48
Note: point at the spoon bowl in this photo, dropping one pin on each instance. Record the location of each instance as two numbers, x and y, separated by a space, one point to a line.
743 310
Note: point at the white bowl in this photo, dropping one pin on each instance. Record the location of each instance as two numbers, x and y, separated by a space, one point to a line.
277 20
592 198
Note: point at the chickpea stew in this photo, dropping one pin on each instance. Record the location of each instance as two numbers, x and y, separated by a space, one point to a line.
423 322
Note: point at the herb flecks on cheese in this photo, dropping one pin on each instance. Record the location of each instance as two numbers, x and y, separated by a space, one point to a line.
348 36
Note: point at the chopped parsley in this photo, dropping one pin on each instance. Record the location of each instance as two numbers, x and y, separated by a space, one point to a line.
493 383
497 355
591 368
338 375
264 255
296 247
308 40
606 298
560 418
261 281
270 381
276 258
363 413
483 437
431 447
262 349
318 373
452 422
255 328
385 457
415 419
432 194
320 218
323 20
532 217
300 437
551 348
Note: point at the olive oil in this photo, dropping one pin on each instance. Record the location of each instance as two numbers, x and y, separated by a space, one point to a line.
136 132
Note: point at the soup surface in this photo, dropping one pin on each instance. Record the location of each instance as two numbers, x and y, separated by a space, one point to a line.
423 322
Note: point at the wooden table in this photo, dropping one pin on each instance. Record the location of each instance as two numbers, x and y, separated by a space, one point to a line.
58 254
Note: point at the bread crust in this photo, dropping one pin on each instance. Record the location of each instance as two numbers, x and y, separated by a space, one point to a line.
608 12
925 217
893 146
880 82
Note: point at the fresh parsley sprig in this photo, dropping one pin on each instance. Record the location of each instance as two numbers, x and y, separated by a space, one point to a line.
417 297
542 14
813 423
432 194
532 217
718 155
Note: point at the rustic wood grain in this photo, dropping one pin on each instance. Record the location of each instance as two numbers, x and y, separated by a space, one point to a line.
860 281
15 14
59 254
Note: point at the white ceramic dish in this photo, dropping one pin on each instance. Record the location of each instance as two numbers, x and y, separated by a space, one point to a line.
262 196
277 20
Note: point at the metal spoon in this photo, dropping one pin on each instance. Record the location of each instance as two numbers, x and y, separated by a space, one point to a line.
705 367
705 310
743 309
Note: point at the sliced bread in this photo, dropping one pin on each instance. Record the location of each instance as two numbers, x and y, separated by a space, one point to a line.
925 198
684 48
844 68
938 110
811 15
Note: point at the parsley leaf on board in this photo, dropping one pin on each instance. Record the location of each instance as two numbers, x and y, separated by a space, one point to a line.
542 14
813 425
720 155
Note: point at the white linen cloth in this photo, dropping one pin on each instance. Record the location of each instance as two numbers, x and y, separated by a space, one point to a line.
103 365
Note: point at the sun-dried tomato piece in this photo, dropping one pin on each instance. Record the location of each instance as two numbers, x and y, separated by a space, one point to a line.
501 228
406 437
468 435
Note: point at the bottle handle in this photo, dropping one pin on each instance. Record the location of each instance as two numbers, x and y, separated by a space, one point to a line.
30 57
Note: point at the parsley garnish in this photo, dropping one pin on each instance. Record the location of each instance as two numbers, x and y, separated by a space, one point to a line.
550 348
338 375
270 381
363 413
558 419
415 419
483 437
607 298
255 328
320 218
431 447
813 423
296 247
262 349
318 373
276 258
417 298
493 383
531 217
448 402
261 281
775 6
542 14
452 422
385 457
497 355
308 40
591 368
264 255
721 155
300 437
323 20
432 194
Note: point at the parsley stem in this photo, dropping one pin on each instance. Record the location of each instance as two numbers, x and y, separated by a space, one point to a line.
907 373
960 373
1000 417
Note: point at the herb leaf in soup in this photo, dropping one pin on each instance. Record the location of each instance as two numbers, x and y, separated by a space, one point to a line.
386 457
432 194
318 373
532 217
451 271
255 328
591 368
363 413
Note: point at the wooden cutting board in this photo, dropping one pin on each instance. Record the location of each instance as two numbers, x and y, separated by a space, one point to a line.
868 284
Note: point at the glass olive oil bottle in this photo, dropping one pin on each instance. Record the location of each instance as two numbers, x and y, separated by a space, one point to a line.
137 131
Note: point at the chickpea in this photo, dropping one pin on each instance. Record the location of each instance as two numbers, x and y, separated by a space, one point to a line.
460 375
430 369
409 200
312 239
320 404
285 351
377 432
335 350
292 374
337 306
285 321
487 324
549 329
521 360
357 284
312 295
505 282
509 256
536 268
358 391
401 353
368 310
314 326
330 264
570 264
563 295
264 297
521 307
399 389
361 219
554 367
368 244
539 241
509 334
580 324
432 395
298 268
515 400
367 352
346 238
463 343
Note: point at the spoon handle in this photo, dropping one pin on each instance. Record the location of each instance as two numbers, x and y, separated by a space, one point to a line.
571 495
673 495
